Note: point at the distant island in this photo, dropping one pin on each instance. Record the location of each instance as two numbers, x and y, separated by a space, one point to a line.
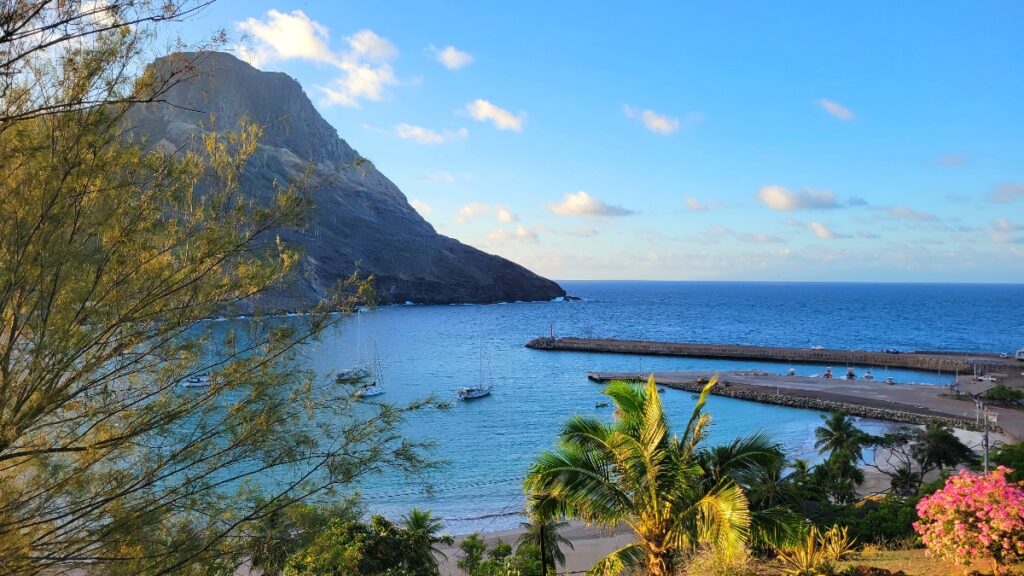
360 219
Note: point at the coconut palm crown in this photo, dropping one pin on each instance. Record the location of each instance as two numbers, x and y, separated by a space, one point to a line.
633 471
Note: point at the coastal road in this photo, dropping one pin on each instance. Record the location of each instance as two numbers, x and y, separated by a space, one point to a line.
898 402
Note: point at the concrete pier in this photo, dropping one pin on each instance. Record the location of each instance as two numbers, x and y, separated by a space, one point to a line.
951 362
907 403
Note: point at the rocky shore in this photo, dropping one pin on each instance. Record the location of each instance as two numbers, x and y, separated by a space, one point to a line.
783 398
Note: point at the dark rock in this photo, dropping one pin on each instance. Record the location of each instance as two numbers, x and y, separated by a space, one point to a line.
359 217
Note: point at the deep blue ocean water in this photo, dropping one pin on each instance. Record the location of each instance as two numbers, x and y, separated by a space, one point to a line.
489 443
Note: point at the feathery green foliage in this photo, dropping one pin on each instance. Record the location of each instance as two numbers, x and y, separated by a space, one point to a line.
112 257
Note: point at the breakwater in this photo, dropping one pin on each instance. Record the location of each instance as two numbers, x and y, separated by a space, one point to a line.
931 362
770 389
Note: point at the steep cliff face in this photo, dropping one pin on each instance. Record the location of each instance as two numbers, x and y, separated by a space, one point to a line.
359 216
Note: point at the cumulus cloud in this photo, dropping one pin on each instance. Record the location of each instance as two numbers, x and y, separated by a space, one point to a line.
364 65
451 57
471 211
284 37
583 204
1007 192
428 136
785 200
519 234
483 111
659 123
836 109
422 207
506 215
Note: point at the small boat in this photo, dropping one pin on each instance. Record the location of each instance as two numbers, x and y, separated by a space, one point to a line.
197 381
850 374
828 373
868 375
601 405
371 389
661 389
792 372
473 392
890 380
353 374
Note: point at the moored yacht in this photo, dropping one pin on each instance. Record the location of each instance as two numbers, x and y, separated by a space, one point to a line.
473 392
197 381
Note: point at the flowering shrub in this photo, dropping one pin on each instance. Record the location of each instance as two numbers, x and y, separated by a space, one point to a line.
973 517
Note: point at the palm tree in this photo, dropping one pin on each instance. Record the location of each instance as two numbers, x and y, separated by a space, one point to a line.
553 541
839 433
633 472
423 530
756 463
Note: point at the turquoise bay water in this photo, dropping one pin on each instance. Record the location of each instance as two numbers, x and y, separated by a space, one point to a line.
489 443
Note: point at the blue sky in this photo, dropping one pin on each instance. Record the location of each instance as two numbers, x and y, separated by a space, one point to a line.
867 141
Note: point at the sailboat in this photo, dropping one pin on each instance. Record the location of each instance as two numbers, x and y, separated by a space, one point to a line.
478 391
374 387
197 381
361 373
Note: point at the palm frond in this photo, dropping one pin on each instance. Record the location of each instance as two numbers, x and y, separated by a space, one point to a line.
724 519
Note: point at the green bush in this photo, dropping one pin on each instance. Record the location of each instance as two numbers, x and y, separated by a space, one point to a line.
1002 394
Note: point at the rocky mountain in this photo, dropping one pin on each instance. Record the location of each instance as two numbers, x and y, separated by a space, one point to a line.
359 216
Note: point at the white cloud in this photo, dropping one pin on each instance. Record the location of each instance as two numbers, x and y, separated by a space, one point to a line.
284 37
694 205
821 231
372 47
1007 192
657 123
422 207
428 136
438 177
583 204
780 198
506 215
835 109
520 234
471 211
451 57
365 67
482 111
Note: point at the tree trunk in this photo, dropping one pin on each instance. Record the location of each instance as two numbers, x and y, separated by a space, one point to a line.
658 564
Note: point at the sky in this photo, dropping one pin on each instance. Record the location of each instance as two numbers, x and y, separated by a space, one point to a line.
782 141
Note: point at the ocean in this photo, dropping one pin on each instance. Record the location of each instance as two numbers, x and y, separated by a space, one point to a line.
488 444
